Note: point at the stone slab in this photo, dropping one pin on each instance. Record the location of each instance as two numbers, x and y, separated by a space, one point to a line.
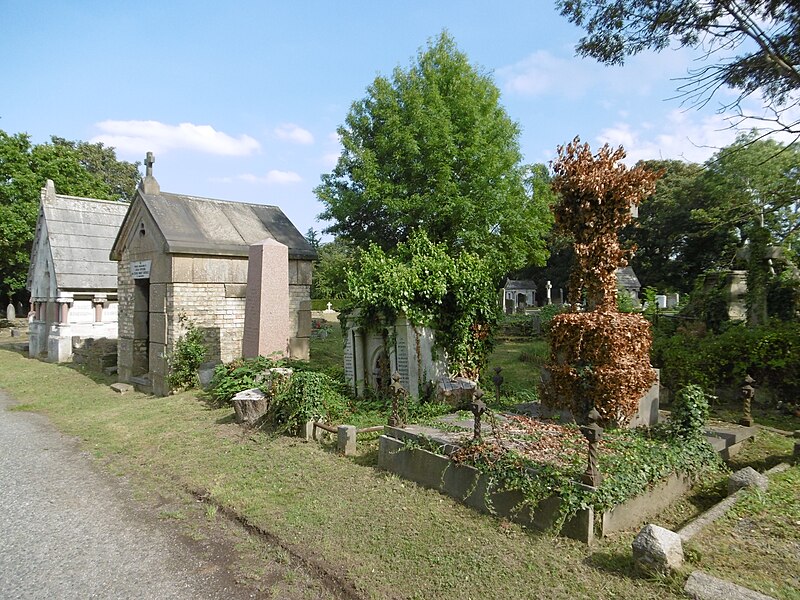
702 586
122 388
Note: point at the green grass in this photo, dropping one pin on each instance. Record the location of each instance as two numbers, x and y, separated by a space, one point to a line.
387 537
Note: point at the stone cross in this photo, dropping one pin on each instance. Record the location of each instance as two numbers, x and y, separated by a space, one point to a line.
148 163
478 407
592 432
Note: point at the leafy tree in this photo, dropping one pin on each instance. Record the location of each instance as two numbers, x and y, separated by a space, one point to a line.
753 183
312 236
671 247
753 45
76 168
431 149
334 259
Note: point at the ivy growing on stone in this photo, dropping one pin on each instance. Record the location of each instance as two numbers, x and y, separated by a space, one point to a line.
455 296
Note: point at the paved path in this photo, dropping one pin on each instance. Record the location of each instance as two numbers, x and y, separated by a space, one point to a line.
66 531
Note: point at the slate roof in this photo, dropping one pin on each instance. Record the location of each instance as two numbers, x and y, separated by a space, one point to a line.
194 225
80 233
520 284
627 279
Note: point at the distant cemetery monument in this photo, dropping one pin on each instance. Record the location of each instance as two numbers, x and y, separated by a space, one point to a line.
195 258
72 282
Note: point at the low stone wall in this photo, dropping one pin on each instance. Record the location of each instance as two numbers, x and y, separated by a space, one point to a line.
468 485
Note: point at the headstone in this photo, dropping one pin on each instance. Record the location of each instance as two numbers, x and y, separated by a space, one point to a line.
266 319
673 300
745 478
657 550
329 309
11 312
661 301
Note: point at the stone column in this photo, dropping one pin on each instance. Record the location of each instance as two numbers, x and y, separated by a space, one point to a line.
59 343
99 302
36 341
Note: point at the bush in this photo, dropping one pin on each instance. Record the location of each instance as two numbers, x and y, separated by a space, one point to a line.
310 395
689 411
770 354
241 374
190 352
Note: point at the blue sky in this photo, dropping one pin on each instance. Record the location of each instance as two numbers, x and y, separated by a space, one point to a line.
241 100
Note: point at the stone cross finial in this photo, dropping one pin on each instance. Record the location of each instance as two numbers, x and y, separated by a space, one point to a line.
148 163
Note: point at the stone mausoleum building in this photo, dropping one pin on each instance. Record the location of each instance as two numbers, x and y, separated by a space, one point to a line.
72 282
183 257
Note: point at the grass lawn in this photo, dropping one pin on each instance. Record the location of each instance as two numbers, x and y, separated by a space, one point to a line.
375 534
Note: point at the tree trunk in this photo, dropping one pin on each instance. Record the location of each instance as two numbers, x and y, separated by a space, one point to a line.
250 405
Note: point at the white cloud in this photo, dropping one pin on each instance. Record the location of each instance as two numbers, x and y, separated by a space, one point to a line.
142 136
543 73
282 177
682 135
273 177
294 133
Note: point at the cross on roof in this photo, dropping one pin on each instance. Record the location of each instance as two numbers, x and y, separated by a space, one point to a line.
148 161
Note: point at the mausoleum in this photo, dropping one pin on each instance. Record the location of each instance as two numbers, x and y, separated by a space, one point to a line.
185 259
72 282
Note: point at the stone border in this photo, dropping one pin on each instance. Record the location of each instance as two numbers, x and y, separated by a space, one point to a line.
466 484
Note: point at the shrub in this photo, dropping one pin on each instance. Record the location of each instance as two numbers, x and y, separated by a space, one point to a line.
770 354
689 411
190 352
241 374
310 395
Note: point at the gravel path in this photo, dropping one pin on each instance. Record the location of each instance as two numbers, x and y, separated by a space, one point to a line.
66 531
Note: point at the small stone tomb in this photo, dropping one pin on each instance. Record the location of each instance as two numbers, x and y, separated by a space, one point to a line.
373 354
185 258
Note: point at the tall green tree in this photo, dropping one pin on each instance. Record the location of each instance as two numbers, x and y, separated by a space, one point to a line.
77 169
432 150
752 46
334 259
753 183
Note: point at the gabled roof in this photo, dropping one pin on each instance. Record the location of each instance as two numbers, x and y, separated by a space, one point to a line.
520 284
627 279
80 233
194 225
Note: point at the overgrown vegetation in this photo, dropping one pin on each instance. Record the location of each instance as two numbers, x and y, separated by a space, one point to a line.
295 396
769 353
599 357
190 352
548 459
453 295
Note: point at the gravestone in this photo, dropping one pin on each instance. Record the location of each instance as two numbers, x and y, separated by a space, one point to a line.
11 312
266 318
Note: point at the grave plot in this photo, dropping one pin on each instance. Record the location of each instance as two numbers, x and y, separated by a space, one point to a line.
579 481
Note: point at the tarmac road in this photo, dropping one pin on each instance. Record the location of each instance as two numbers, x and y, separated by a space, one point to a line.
67 531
